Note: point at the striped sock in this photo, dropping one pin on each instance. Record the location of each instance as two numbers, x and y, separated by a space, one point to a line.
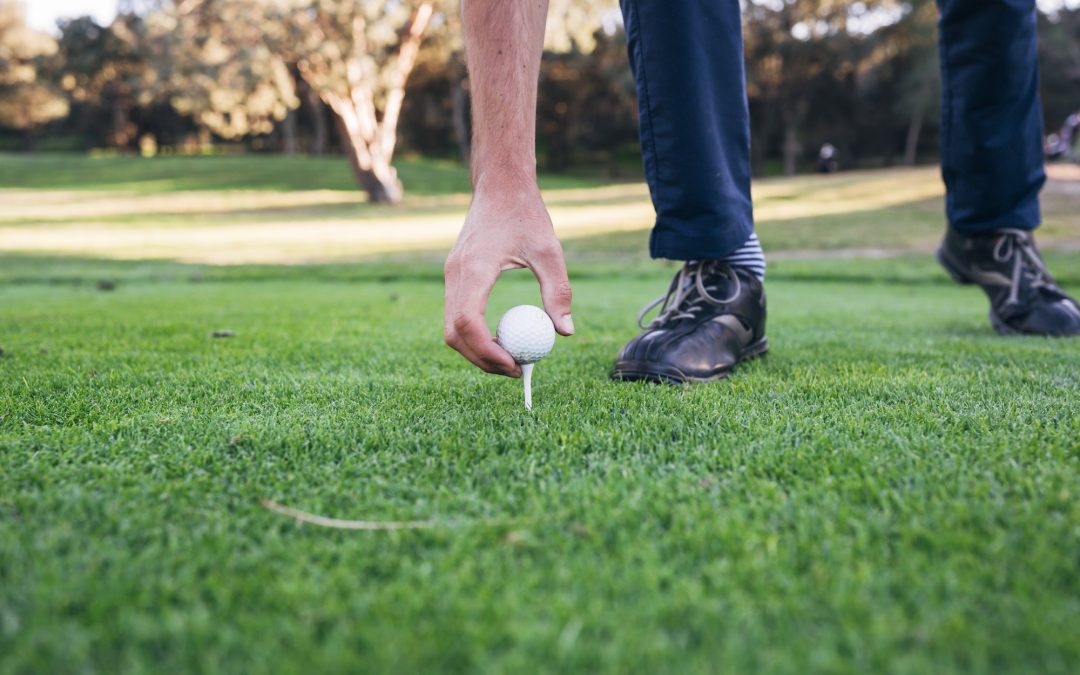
749 256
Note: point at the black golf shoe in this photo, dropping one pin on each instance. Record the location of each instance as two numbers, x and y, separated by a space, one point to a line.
1024 299
712 317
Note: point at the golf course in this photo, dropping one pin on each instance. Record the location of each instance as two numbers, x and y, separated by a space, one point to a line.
200 357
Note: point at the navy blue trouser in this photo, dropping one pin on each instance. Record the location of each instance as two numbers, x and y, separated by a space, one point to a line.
687 59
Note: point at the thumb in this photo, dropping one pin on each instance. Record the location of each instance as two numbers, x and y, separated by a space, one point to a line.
550 270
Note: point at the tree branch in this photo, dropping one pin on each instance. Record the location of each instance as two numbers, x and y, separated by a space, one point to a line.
410 48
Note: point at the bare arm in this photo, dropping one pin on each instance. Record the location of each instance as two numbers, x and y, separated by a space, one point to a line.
507 226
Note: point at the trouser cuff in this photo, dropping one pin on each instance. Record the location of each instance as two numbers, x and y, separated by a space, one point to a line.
697 239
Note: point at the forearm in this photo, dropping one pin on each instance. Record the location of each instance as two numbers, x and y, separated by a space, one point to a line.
507 226
504 40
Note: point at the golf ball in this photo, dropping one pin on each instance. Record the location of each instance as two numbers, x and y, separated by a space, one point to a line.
527 333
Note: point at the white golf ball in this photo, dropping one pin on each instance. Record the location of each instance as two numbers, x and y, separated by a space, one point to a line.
527 333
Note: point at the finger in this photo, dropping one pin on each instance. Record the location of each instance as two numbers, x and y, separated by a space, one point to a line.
490 362
487 365
475 343
467 289
550 270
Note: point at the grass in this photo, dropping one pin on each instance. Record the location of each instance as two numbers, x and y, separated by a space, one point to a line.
231 210
893 489
264 173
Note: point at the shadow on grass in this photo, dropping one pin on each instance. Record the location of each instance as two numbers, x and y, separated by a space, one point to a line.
908 270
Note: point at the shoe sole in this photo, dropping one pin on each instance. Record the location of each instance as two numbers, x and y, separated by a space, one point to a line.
643 371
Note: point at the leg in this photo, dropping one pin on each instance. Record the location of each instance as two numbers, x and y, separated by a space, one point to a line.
991 127
992 162
687 59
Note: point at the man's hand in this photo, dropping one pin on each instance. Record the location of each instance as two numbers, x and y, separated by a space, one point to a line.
508 226
504 229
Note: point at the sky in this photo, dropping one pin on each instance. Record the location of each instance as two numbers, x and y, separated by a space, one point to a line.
42 14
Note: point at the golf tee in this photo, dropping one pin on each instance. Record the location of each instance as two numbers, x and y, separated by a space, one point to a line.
526 376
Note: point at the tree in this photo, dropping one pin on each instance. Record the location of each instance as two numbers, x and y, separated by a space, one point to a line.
1059 59
357 56
230 61
806 62
225 63
587 106
909 50
108 67
572 25
27 101
797 50
215 65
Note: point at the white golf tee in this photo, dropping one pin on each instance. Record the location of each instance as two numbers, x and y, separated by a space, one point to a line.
526 376
527 334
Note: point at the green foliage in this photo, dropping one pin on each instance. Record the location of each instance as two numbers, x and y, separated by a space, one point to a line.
28 105
572 24
27 101
589 111
1059 57
213 64
232 63
862 76
109 67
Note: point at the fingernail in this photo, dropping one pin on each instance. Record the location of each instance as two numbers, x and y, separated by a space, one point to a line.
568 324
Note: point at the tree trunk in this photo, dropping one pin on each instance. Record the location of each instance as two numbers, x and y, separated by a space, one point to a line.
288 134
121 122
792 148
794 113
461 119
318 116
373 172
368 138
911 145
759 145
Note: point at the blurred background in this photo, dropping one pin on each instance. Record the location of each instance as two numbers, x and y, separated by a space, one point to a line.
285 119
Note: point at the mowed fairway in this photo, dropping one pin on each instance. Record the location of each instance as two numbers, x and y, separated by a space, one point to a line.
893 489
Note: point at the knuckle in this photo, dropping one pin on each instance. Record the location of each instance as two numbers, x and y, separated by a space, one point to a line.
473 266
550 251
564 292
461 322
451 266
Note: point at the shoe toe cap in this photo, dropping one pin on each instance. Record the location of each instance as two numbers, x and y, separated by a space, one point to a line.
681 355
701 353
1057 318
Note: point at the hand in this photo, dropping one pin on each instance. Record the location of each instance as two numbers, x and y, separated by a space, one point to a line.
504 229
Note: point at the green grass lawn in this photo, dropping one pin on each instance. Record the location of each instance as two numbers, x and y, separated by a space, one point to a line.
270 209
894 489
270 173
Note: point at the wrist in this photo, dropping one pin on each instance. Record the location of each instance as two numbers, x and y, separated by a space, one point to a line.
506 181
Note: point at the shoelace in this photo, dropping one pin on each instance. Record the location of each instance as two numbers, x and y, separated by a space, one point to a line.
679 301
1018 246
